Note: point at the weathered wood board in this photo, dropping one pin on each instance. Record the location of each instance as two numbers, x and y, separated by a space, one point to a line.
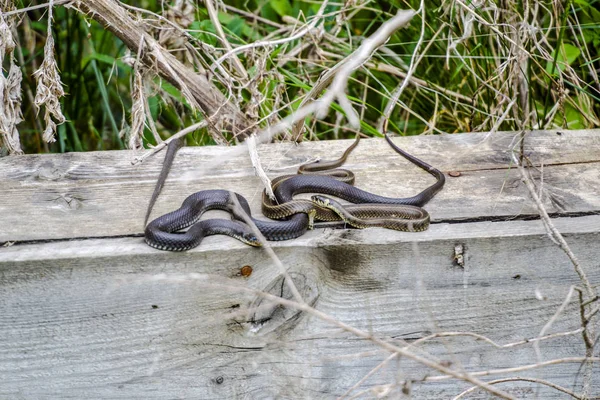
87 310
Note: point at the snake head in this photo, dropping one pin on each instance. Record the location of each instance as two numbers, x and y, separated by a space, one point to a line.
321 200
331 204
251 240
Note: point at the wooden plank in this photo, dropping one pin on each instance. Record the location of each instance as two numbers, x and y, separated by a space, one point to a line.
113 318
101 194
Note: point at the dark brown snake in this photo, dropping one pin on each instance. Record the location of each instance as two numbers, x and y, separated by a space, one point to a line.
371 210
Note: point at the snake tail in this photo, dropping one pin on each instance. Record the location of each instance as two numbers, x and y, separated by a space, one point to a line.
172 149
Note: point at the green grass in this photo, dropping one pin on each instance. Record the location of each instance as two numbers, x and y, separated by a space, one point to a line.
552 51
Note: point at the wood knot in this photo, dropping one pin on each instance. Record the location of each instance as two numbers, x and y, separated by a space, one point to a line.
68 202
266 315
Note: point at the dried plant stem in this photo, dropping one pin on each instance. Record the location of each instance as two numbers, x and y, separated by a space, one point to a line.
490 341
521 368
10 88
49 87
214 18
36 7
339 75
337 90
534 380
552 231
368 375
258 169
269 250
140 111
252 16
551 321
197 88
589 331
387 112
316 19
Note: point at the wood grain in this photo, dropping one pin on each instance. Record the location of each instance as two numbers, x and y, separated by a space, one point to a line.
109 317
101 317
100 194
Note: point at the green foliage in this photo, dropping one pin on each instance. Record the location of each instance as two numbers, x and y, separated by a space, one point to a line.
468 70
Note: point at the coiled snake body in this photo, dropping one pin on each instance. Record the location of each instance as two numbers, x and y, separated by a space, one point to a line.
372 210
160 232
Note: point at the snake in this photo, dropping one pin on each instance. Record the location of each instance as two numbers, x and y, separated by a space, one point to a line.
339 183
406 218
162 234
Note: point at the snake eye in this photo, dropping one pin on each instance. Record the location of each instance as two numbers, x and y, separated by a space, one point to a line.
252 240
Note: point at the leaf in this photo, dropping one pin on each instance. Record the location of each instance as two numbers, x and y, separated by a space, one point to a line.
571 53
573 118
281 7
204 31
236 26
105 59
566 56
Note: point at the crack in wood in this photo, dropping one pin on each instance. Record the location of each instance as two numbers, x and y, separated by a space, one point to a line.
520 217
509 167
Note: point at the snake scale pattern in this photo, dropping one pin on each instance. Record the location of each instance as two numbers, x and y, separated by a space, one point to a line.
297 216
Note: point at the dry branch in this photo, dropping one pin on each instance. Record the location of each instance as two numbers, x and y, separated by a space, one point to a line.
557 238
198 90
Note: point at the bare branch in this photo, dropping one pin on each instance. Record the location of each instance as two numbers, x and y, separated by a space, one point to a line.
271 43
197 88
534 380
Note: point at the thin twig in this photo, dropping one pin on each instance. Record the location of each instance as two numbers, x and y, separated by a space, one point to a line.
255 17
36 7
490 341
339 75
518 369
553 232
414 61
368 375
535 380
558 312
258 169
214 18
272 43
268 249
337 90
